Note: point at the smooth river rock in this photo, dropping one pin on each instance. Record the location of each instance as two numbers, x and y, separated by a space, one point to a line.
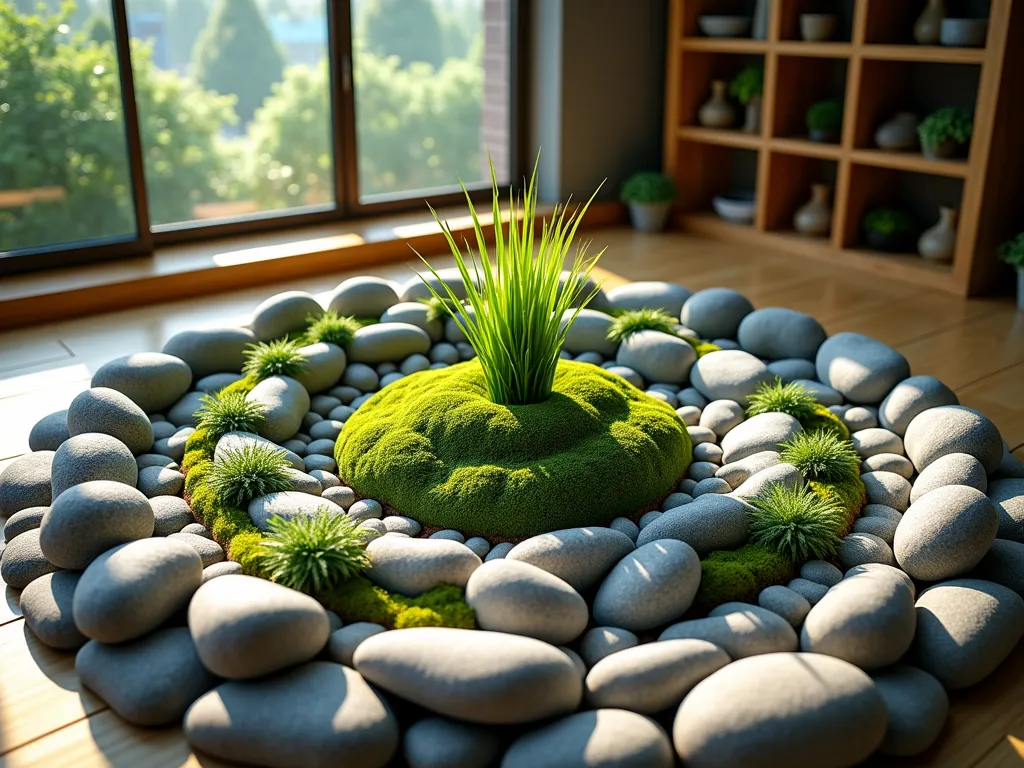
363 296
27 482
740 629
589 333
710 522
650 294
284 313
951 469
92 456
657 356
211 350
909 398
1007 495
325 364
152 380
579 556
46 605
731 374
917 705
860 368
285 401
715 312
387 342
288 505
22 561
49 432
438 742
764 432
778 333
947 429
414 566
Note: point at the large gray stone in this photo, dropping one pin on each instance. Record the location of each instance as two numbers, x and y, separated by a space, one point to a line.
589 333
951 469
246 627
515 597
947 429
453 672
792 369
133 589
783 709
888 462
325 364
315 715
579 556
777 333
877 526
649 587
738 628
283 313
152 380
22 561
90 518
866 619
821 572
945 533
860 368
811 591
415 313
781 474
174 446
604 738
875 440
652 677
437 742
735 473
657 356
965 628
888 489
212 350
215 382
26 482
650 294
232 442
285 401
1003 564
715 312
413 566
1008 497
911 397
23 520
149 681
364 296
710 522
46 605
415 288
917 706
389 342
49 432
288 505
764 432
731 374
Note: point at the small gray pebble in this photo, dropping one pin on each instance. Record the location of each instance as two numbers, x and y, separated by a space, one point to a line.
499 551
449 535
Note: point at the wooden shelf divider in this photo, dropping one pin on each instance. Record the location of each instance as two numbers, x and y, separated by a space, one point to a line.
876 67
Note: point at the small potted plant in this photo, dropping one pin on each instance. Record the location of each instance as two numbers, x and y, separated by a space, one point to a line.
945 133
888 229
824 121
747 88
650 196
1012 252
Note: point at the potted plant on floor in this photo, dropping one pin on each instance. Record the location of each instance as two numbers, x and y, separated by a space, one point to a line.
650 196
747 88
1012 252
945 133
824 121
888 229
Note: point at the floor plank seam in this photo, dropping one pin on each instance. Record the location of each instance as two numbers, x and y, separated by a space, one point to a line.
980 379
34 739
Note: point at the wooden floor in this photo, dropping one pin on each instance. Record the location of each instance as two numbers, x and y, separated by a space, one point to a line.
976 347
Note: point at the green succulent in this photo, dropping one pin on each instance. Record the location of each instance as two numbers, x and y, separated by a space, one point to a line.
888 221
946 124
776 397
249 472
229 412
747 85
648 187
1012 251
825 116
314 553
280 357
821 455
636 320
331 328
797 524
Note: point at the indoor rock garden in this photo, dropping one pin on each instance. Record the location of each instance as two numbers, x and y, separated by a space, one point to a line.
501 516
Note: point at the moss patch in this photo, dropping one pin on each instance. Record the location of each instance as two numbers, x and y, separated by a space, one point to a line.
359 600
739 576
823 418
433 446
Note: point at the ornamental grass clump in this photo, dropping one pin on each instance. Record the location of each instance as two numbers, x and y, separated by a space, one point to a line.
249 472
517 294
331 328
228 412
312 554
822 456
438 308
280 357
776 397
636 320
796 524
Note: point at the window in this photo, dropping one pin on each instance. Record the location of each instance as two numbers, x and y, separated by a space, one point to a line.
240 114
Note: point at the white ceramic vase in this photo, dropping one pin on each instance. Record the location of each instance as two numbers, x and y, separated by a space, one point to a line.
939 242
814 218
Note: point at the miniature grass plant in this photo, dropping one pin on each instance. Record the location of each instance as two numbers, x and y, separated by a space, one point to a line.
518 294
796 523
776 397
229 412
636 320
249 472
821 455
331 328
313 554
439 308
280 357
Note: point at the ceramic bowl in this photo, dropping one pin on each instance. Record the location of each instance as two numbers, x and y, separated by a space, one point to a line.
964 33
817 27
737 208
724 26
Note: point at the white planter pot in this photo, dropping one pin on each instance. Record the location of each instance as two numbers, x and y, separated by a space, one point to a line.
649 217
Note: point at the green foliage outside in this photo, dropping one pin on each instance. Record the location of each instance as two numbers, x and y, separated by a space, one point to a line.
407 29
648 187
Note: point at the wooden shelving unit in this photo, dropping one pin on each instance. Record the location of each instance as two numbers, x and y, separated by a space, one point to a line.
874 69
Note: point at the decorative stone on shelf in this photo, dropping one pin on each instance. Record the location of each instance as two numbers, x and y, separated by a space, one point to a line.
898 134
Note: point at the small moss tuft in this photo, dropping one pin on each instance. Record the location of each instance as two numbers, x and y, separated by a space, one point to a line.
249 472
776 397
823 419
312 554
331 328
796 524
280 357
439 308
821 455
635 320
706 348
229 412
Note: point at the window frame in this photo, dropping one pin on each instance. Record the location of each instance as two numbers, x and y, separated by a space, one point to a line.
346 205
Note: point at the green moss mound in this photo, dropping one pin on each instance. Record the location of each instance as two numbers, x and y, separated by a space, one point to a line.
359 600
433 447
739 575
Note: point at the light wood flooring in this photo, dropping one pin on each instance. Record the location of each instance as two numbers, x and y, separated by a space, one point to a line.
975 346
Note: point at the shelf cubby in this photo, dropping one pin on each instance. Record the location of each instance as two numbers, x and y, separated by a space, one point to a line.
790 180
714 169
799 83
708 67
791 10
891 22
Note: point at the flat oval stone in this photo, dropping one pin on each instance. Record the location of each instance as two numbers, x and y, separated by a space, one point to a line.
650 586
46 605
715 312
589 333
652 677
862 548
605 738
710 522
937 432
223 568
870 442
811 591
911 397
821 572
453 672
600 642
782 474
721 415
150 681
325 364
650 294
657 356
866 619
887 488
729 375
211 350
945 533
26 482
387 342
285 401
337 719
512 596
23 561
152 380
215 382
791 369
965 629
342 644
363 296
579 556
209 551
789 604
860 368
736 472
49 432
246 627
951 469
283 313
876 526
781 709
917 705
160 481
133 589
183 413
779 333
90 518
758 434
92 456
889 462
415 313
23 520
740 629
413 566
